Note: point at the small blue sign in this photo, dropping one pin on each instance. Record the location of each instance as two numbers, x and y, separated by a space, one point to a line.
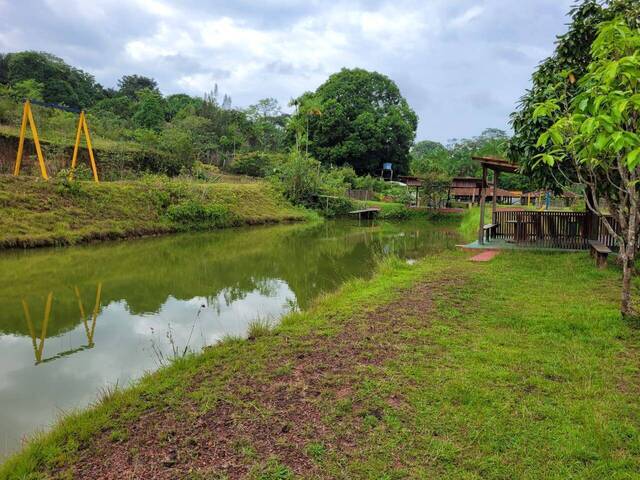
386 166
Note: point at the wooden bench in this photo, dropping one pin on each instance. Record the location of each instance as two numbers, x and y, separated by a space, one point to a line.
490 230
600 251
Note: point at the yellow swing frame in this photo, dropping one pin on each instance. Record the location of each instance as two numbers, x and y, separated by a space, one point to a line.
27 117
83 127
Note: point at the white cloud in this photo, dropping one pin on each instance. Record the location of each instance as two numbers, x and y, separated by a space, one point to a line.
439 52
467 17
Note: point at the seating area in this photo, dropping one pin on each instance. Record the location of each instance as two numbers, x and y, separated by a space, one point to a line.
490 231
600 252
551 229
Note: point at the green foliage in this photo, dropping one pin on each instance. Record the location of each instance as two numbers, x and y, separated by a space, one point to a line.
132 85
455 160
61 83
433 161
557 75
299 178
268 122
150 109
27 89
195 215
600 128
121 106
357 118
256 164
36 213
180 103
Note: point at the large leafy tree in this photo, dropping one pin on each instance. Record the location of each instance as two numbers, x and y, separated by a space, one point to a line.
150 109
595 135
358 118
61 82
131 85
573 55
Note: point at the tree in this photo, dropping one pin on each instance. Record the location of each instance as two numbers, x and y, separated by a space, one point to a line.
427 148
120 106
365 121
179 102
61 82
456 159
268 124
572 54
131 85
595 135
150 110
27 90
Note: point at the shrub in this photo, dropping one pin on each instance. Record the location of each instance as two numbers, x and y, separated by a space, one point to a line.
196 215
254 164
300 179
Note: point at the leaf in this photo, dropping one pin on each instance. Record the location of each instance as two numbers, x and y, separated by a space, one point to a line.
601 141
556 136
543 140
633 158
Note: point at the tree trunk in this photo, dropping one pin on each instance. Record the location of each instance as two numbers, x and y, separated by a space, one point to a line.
628 256
626 306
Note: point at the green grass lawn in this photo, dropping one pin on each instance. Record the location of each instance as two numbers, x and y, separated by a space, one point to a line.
34 212
516 368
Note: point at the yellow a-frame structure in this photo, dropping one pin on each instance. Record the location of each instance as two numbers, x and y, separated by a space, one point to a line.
83 127
27 116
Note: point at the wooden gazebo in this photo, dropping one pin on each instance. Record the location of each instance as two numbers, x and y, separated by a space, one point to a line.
497 165
413 181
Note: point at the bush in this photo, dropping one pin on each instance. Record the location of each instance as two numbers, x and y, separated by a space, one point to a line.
300 180
199 216
255 164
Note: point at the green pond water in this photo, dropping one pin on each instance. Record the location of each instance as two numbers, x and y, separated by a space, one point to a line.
76 320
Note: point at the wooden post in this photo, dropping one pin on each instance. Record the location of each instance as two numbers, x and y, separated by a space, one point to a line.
483 195
496 174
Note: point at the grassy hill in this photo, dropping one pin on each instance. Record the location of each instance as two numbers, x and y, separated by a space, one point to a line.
39 213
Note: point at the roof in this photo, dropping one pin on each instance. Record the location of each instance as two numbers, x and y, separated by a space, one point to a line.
412 181
470 191
497 164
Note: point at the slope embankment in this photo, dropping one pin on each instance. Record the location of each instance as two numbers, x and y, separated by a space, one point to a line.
37 213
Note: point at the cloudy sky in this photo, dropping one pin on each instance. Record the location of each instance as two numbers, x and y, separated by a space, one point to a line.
462 64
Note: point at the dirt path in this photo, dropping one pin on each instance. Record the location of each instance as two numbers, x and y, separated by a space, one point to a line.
289 412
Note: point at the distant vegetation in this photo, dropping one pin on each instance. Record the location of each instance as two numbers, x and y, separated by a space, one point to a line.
336 139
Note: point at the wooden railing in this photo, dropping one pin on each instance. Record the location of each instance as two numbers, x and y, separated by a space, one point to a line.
360 194
570 230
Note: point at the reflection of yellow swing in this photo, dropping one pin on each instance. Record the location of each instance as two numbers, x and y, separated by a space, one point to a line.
38 346
94 315
27 117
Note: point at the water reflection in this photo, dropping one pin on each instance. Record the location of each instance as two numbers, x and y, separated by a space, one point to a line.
106 313
38 341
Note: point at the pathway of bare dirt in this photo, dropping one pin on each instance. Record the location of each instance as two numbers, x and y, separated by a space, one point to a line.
277 415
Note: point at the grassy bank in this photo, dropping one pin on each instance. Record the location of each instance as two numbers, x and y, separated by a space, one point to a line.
38 213
517 368
399 211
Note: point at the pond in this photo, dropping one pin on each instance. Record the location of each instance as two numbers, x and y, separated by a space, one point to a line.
74 321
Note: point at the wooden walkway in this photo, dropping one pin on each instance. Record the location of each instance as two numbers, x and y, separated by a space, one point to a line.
366 213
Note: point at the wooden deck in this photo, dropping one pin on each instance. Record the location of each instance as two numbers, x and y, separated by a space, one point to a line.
366 213
564 230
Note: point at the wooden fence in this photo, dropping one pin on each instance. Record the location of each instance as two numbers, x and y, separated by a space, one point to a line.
361 194
570 230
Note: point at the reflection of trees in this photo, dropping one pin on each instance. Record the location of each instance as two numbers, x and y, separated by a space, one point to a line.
229 263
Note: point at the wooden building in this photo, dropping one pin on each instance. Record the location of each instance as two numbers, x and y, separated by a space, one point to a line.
468 190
